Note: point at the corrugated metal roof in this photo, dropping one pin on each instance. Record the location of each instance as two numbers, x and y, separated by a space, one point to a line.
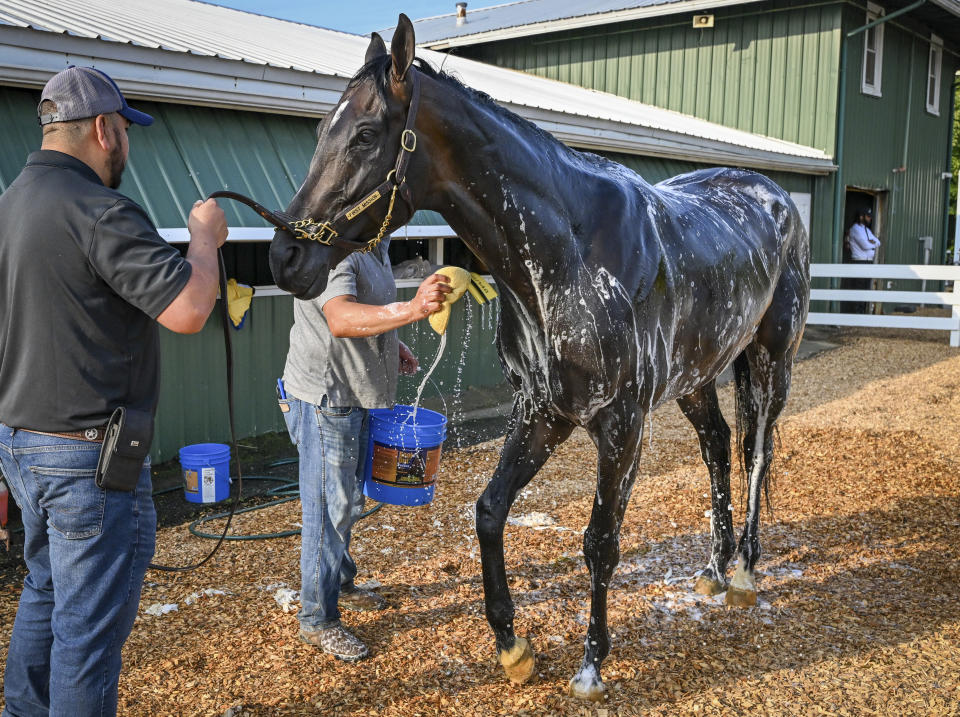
529 17
193 27
578 116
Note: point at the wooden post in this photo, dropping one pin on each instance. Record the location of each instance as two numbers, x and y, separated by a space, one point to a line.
435 251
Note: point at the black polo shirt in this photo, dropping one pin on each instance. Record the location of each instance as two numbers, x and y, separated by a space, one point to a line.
83 275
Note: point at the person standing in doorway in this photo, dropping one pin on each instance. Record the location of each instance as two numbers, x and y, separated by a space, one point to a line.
863 244
344 359
84 280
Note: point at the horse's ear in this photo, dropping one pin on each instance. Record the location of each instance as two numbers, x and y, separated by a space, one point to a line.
375 49
403 47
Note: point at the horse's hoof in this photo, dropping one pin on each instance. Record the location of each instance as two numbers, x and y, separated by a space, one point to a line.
708 586
741 598
586 685
518 662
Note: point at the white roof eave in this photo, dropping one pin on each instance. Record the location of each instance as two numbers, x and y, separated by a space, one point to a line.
603 135
30 57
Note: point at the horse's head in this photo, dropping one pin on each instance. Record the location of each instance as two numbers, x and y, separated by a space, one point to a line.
359 171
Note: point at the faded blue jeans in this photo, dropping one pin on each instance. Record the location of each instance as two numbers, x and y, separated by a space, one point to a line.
332 443
86 550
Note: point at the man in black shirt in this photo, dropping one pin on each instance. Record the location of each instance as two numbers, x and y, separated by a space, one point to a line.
84 280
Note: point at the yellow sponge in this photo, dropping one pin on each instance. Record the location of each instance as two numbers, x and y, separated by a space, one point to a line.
483 288
238 301
459 280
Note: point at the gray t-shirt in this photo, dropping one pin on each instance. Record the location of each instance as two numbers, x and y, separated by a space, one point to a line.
349 371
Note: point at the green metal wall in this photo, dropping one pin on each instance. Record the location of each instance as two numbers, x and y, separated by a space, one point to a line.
884 134
740 73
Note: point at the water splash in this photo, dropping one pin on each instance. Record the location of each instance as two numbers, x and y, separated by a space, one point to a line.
457 414
433 366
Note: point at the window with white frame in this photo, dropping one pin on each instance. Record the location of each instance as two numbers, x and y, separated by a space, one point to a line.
933 75
872 52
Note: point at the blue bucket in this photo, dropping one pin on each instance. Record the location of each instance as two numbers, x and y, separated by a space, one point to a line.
206 472
403 454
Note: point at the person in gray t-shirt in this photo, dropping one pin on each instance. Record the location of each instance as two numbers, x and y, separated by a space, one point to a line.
344 358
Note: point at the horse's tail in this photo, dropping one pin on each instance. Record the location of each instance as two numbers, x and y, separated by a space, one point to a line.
744 406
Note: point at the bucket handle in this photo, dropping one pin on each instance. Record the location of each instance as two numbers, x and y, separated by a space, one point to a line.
439 392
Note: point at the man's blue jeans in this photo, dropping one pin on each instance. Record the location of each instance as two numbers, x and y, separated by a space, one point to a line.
86 550
332 443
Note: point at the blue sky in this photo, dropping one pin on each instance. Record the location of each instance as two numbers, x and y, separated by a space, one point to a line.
360 18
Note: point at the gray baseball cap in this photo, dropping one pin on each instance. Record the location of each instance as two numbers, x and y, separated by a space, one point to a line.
82 92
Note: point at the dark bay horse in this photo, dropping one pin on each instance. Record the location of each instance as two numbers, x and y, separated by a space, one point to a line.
617 296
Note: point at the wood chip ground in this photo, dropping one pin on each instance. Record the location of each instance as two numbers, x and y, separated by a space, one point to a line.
857 612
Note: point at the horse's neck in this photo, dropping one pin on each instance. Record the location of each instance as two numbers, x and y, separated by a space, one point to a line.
504 191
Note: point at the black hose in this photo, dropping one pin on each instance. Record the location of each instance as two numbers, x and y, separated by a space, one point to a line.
290 489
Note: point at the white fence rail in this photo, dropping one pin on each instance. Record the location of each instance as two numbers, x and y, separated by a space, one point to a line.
923 272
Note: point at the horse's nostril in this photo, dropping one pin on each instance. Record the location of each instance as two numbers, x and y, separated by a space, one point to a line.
285 258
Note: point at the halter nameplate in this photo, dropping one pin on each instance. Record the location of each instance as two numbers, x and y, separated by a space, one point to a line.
362 206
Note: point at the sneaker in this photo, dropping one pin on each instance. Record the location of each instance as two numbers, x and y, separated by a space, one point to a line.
335 641
360 600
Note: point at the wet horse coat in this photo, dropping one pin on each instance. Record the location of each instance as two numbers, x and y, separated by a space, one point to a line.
617 296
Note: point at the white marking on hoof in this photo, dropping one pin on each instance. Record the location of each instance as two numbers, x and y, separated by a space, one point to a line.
743 580
743 589
586 684
518 662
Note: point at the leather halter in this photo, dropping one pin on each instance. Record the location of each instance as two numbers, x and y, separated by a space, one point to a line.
329 233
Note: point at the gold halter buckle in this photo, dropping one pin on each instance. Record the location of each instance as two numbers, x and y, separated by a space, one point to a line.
324 233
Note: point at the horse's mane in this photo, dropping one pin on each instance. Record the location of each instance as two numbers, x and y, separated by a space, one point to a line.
378 71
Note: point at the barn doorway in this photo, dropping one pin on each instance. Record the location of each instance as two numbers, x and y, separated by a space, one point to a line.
857 200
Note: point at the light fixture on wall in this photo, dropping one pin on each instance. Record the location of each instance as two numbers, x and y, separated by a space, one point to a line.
703 21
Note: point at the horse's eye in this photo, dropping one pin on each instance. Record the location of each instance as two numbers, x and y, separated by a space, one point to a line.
365 137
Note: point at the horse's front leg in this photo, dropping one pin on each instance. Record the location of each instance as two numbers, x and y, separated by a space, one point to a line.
533 435
618 441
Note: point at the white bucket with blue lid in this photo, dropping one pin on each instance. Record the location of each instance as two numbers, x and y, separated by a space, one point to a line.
403 455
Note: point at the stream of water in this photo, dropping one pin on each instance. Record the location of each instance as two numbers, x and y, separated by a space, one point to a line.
436 360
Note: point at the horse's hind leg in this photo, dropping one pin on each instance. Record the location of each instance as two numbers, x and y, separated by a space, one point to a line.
533 435
617 432
703 410
763 375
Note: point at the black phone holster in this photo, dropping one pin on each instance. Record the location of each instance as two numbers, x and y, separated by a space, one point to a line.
126 444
